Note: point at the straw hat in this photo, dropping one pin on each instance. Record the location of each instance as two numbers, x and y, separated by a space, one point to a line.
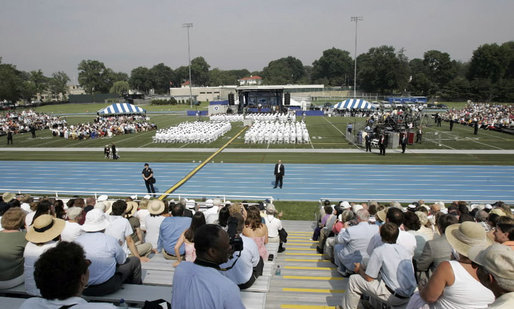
44 229
497 259
463 236
155 207
96 221
131 208
498 211
7 197
381 214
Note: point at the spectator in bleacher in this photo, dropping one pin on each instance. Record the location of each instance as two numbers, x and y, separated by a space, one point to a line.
273 224
121 229
256 230
141 214
135 223
223 216
200 284
90 201
352 243
42 235
406 240
44 207
158 212
504 232
326 231
5 202
388 276
187 239
426 229
455 284
110 267
61 274
13 241
72 229
345 217
59 211
496 272
246 265
481 217
438 249
411 225
170 230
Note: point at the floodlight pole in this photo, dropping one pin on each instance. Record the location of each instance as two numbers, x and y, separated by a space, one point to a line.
189 25
355 19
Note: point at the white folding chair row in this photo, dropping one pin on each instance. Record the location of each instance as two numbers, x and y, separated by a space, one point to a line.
192 132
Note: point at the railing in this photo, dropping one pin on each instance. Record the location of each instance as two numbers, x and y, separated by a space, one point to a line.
178 196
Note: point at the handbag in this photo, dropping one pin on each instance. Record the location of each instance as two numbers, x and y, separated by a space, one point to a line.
282 234
152 180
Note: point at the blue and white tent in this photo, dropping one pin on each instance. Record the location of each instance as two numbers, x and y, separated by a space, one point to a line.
354 104
121 109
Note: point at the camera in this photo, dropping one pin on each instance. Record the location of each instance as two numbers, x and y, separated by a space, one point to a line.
235 241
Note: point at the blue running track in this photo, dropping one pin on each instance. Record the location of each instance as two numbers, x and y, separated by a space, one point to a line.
308 182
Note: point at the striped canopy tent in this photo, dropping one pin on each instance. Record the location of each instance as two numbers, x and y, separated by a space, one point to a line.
354 104
121 109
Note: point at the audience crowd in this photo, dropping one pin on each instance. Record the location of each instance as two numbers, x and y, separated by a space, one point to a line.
111 240
27 121
193 132
421 256
488 116
415 256
104 126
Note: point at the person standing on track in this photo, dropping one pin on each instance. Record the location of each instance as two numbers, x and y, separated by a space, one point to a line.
279 174
147 174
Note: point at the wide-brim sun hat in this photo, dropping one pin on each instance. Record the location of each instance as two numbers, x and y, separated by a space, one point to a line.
131 208
382 214
155 207
8 196
463 236
345 205
497 259
96 221
44 229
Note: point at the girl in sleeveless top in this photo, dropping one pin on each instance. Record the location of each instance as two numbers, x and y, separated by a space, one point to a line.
255 229
187 238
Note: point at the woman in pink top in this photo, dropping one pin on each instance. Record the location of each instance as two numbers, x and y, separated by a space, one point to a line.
258 231
187 238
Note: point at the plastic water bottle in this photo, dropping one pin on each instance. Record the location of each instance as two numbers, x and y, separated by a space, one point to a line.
278 271
123 304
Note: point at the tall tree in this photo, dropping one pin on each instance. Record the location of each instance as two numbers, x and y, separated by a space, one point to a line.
141 79
199 72
161 76
11 83
40 81
283 71
382 70
94 77
58 83
219 77
439 67
334 67
488 61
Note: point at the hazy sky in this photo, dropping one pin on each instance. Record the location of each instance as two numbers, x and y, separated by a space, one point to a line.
55 35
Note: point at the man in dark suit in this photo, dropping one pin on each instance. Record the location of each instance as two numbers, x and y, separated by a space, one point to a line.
368 142
403 141
382 143
279 174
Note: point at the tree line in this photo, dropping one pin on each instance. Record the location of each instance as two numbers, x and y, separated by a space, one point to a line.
488 76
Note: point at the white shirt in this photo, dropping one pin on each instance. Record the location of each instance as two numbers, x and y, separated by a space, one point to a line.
26 207
406 240
29 217
153 225
41 303
243 268
120 228
31 255
394 264
196 286
211 215
141 214
273 224
104 251
71 231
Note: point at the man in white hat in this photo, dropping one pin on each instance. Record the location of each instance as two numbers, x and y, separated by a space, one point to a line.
158 212
496 272
110 267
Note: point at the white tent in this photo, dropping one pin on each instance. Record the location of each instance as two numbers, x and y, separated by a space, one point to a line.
354 104
121 109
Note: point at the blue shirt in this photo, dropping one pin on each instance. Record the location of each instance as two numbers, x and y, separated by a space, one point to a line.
105 252
196 286
169 233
